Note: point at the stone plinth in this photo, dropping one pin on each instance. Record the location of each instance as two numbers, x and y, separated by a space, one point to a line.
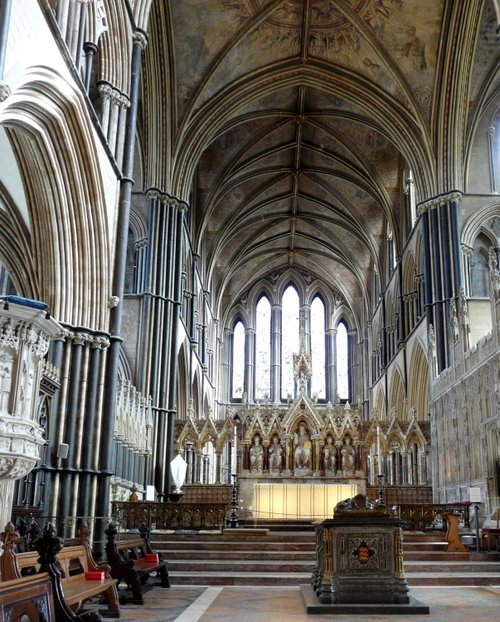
359 561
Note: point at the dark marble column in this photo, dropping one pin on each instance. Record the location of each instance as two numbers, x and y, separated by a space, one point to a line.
276 353
5 8
120 262
442 268
331 364
250 364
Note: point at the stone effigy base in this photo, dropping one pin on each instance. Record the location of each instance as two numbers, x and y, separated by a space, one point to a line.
313 606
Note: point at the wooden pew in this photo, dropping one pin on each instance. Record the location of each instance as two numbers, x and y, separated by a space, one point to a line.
66 567
29 596
129 562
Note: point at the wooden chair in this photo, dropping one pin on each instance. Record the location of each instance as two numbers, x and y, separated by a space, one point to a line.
490 533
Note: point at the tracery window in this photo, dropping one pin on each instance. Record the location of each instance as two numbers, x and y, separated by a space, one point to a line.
410 200
342 362
479 268
263 348
318 384
238 367
261 355
290 339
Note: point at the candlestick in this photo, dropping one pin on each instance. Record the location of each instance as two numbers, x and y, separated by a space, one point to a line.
379 455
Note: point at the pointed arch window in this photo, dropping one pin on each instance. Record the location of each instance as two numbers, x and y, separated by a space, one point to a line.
410 200
318 386
263 349
238 366
479 268
290 338
342 361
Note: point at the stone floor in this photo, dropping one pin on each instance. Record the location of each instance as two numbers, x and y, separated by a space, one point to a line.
285 604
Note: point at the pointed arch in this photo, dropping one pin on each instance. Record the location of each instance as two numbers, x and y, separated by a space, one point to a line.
182 382
262 347
51 135
418 384
379 404
397 395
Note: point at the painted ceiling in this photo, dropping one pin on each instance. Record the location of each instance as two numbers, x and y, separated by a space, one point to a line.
294 124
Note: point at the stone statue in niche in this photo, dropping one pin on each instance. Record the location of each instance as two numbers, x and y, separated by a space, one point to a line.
256 455
329 455
275 456
302 448
348 457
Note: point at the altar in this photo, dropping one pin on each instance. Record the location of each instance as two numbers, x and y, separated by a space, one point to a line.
293 499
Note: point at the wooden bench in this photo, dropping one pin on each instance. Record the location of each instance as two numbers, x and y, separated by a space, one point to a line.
129 563
66 567
29 597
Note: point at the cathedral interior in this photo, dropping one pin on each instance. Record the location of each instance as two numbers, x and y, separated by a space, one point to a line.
263 235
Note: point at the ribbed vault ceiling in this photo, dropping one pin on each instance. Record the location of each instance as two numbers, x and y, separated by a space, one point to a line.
293 124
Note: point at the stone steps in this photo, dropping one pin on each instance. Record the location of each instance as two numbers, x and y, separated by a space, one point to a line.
307 565
288 558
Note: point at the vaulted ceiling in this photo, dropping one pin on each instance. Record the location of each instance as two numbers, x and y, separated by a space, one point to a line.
291 126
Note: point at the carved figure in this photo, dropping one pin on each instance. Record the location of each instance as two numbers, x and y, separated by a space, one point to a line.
275 456
256 455
302 448
348 455
329 455
359 502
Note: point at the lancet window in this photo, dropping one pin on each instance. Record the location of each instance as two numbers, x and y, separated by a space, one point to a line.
287 346
318 385
290 339
238 368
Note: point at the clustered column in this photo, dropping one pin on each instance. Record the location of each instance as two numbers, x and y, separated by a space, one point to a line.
74 428
331 363
159 330
442 268
276 324
250 363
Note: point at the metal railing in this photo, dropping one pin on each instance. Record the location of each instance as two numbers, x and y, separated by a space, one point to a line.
170 515
430 516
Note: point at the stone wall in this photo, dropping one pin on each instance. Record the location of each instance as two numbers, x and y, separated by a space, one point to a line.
465 425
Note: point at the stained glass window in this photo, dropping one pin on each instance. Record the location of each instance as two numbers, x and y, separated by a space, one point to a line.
263 349
238 361
318 385
290 338
342 362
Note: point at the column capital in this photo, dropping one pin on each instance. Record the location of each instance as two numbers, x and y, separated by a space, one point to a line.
455 195
466 250
166 199
141 38
5 91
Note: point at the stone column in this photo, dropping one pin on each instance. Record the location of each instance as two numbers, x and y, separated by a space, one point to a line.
250 364
404 468
331 364
275 354
227 366
5 8
442 268
118 285
218 467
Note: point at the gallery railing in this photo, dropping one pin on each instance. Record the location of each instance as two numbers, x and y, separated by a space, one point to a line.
170 515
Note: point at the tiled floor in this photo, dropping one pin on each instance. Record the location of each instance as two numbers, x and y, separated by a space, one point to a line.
285 604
